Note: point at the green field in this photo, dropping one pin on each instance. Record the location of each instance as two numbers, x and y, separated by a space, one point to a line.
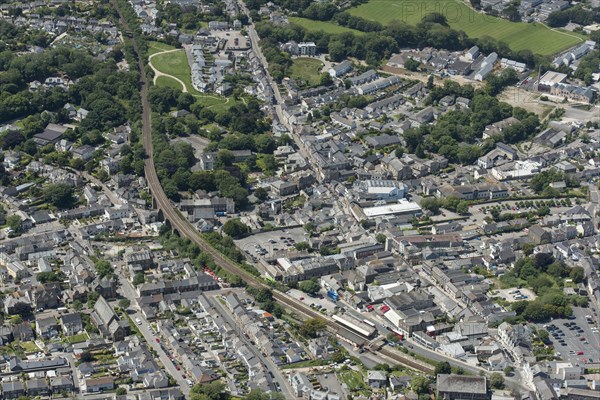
518 35
306 69
165 81
157 47
327 27
175 64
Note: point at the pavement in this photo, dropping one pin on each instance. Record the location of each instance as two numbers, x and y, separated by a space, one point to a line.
573 343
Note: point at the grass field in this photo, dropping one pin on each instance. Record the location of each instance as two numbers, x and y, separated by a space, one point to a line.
307 69
325 26
175 64
165 81
157 47
535 37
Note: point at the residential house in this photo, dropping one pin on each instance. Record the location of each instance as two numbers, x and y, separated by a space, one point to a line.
95 385
71 323
377 379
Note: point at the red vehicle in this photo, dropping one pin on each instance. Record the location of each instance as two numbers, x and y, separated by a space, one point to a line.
580 353
301 298
157 340
370 307
178 368
582 338
385 309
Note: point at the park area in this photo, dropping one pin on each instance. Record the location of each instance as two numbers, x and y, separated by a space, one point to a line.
517 35
307 70
173 64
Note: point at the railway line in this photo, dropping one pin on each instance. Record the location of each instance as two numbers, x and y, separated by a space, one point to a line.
184 228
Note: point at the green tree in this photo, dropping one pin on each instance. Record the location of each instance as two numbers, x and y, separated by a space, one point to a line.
14 222
44 277
528 248
419 384
301 246
431 203
313 327
326 79
381 238
77 305
209 391
443 368
139 278
121 391
310 227
508 370
497 380
103 268
462 207
91 300
577 274
124 303
59 195
261 194
311 287
235 228
412 65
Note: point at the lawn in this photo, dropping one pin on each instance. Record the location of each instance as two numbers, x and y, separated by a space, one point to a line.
306 69
353 379
165 81
533 36
29 347
325 26
82 337
175 64
157 47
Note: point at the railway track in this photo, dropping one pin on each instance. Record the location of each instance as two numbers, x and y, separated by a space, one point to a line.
184 228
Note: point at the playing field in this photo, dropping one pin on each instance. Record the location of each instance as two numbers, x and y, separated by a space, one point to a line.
327 27
307 69
518 35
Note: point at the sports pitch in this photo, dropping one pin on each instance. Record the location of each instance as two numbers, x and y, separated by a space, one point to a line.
517 35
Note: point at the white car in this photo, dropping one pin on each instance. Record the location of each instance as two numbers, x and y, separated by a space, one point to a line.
138 321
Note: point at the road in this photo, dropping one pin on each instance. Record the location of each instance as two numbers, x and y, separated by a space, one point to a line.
595 200
128 291
263 61
109 193
278 376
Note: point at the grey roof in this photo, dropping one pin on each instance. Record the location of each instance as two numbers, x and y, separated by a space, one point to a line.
461 384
